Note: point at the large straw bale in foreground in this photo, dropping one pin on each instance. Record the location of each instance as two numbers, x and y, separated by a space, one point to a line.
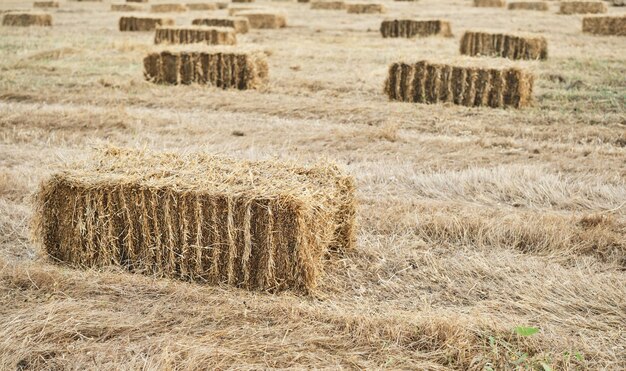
503 45
410 28
462 84
583 7
608 26
143 23
27 19
529 5
365 8
195 34
264 19
254 225
490 3
223 68
328 5
168 8
240 24
46 4
125 7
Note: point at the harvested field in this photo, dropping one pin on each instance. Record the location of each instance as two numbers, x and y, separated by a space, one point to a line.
125 7
26 19
602 25
490 3
328 5
529 5
425 82
46 4
263 19
168 8
240 24
143 23
505 46
365 8
202 6
582 7
195 34
411 28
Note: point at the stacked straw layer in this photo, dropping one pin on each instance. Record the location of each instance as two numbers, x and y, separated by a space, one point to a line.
365 8
195 34
240 24
615 26
262 19
411 28
529 5
490 3
583 7
26 19
502 45
328 5
426 82
143 23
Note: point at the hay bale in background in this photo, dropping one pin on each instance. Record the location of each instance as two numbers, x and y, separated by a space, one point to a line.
529 5
143 23
254 225
136 1
490 3
583 7
232 11
125 7
426 82
240 24
242 1
27 19
195 34
503 45
202 6
168 8
328 5
365 8
264 19
46 4
411 28
605 25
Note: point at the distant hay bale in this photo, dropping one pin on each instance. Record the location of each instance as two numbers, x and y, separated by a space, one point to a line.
202 6
125 7
365 8
490 3
328 5
221 5
264 19
168 8
242 1
425 82
136 1
503 45
143 23
232 11
529 5
226 69
304 1
46 4
411 28
583 7
27 19
254 225
240 24
195 34
605 25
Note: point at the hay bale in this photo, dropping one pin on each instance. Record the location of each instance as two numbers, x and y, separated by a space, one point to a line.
304 1
232 11
490 3
242 1
583 7
529 5
365 8
264 19
168 8
143 23
462 84
124 7
605 25
202 6
27 19
240 24
254 225
46 4
195 34
410 28
328 5
504 45
136 1
221 5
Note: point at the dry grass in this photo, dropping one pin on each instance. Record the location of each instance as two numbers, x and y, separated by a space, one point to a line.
472 221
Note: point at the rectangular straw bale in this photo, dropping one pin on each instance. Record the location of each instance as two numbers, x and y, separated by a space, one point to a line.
264 19
202 6
125 7
605 25
583 7
529 5
242 1
143 23
254 225
27 19
46 4
426 82
410 28
490 3
240 24
229 69
136 1
195 34
232 11
168 8
328 5
503 45
365 8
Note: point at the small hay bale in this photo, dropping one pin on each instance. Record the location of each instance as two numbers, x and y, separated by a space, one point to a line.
411 28
221 5
143 23
605 25
136 1
583 7
240 24
328 5
125 7
489 3
195 34
254 225
242 1
232 11
168 8
529 5
46 4
27 19
202 6
365 8
462 84
503 45
264 19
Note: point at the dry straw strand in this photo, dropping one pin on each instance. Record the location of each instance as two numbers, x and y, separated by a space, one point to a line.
503 45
